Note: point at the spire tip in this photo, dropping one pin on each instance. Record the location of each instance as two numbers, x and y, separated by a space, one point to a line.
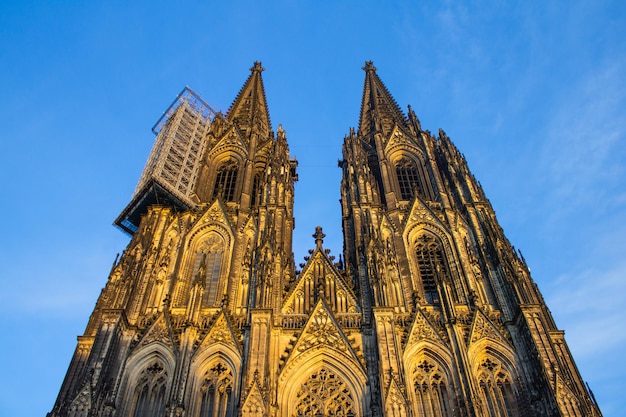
319 237
369 66
257 67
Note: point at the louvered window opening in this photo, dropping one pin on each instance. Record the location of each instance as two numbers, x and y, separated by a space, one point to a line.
408 179
226 181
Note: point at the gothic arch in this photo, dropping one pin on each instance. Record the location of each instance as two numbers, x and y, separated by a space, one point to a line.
496 377
401 144
229 146
213 221
227 170
209 252
420 230
214 381
147 380
397 151
491 347
298 386
409 171
430 383
257 191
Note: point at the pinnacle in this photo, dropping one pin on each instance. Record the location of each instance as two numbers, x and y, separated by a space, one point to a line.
379 110
319 237
249 110
369 66
257 67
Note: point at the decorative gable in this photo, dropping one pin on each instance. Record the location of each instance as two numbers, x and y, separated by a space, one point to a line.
322 333
160 332
82 403
214 216
254 403
322 330
319 275
395 400
483 328
421 330
398 139
231 141
422 213
220 332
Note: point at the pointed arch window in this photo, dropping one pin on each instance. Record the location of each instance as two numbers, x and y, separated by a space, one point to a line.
149 395
408 178
496 389
431 265
256 188
324 394
207 269
216 391
431 390
226 180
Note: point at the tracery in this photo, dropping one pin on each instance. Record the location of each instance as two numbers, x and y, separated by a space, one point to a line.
226 180
496 391
324 394
207 267
430 262
431 390
408 178
149 395
215 391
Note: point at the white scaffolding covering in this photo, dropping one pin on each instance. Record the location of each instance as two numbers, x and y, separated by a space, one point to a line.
175 159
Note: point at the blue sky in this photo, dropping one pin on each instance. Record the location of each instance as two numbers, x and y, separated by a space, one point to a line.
533 93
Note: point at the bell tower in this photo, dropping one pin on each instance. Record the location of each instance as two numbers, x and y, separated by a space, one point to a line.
211 225
460 328
430 311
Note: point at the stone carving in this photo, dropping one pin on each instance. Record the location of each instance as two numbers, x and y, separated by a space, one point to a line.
324 394
483 328
321 330
422 329
158 332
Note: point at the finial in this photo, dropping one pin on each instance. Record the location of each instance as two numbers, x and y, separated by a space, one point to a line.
319 236
369 66
257 67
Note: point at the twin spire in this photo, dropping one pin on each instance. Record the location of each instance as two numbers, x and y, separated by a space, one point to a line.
379 110
249 111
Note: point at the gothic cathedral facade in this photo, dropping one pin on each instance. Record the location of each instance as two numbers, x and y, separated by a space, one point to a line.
429 312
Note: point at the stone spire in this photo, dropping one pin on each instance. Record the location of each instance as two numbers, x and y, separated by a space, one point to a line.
249 111
379 110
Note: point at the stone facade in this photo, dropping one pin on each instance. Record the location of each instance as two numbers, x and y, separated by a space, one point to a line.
430 311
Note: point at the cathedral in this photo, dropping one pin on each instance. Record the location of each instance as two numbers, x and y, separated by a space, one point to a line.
428 312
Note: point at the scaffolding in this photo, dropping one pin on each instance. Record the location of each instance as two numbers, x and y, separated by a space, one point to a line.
169 176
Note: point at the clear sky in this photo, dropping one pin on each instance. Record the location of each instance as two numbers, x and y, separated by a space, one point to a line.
532 92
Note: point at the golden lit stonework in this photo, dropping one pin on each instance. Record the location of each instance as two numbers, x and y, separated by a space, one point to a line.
428 312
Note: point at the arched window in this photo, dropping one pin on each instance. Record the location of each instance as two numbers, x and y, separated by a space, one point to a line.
431 390
496 391
324 394
149 395
215 391
207 268
256 189
226 180
431 266
408 179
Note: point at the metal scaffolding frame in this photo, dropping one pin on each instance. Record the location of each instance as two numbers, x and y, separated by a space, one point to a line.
174 162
